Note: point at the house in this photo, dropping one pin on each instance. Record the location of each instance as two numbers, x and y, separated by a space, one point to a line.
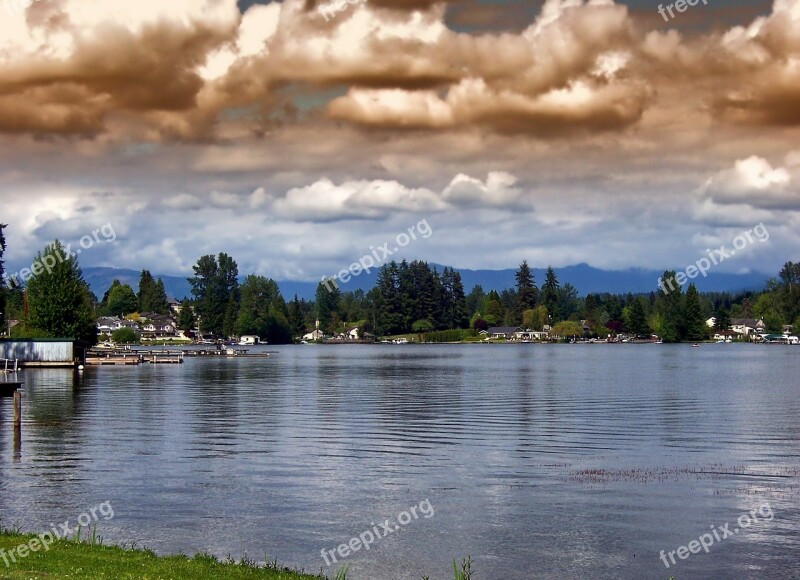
108 324
158 326
317 334
747 326
503 332
711 322
352 334
726 335
528 335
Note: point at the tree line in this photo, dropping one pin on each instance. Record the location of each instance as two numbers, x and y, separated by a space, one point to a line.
408 297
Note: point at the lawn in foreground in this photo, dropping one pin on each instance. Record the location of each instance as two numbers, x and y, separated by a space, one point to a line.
70 559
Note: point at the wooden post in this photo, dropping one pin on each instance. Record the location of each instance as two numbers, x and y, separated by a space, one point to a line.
17 409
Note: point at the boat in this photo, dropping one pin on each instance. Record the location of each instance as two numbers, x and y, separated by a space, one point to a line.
695 345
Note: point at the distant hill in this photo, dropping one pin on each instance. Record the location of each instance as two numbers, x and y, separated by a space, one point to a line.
584 277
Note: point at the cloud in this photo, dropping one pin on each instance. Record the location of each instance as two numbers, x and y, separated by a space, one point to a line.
323 200
753 182
497 191
183 201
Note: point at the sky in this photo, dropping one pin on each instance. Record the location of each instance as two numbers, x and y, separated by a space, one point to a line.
296 140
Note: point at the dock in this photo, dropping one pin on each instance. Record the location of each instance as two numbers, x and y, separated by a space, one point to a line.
10 388
130 357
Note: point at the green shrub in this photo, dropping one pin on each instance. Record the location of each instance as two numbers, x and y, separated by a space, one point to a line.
124 336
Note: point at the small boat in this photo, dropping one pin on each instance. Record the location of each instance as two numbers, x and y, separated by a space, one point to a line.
695 345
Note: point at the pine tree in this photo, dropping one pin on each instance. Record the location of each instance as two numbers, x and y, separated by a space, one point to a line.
722 320
694 323
327 303
549 294
636 320
669 306
527 292
186 319
151 296
296 318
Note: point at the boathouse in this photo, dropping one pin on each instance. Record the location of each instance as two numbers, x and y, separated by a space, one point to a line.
43 352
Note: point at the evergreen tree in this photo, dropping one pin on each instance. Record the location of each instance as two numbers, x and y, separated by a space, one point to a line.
327 302
568 303
474 300
722 322
694 320
549 294
457 316
669 306
261 311
186 319
527 291
636 319
296 317
389 315
789 291
59 300
152 296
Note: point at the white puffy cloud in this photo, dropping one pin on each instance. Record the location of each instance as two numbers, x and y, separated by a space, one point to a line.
753 182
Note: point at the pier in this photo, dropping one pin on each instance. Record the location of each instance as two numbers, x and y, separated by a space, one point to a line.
130 357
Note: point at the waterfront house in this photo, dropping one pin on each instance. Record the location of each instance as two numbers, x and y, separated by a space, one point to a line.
108 324
317 334
528 334
503 332
747 326
158 326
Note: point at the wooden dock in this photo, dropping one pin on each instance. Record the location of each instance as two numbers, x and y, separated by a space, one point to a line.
125 357
132 357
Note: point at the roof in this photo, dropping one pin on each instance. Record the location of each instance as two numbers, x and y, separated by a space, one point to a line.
751 322
503 329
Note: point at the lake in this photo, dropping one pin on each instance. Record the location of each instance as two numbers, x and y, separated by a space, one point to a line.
538 461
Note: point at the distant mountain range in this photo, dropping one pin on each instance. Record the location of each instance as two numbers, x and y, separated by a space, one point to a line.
584 277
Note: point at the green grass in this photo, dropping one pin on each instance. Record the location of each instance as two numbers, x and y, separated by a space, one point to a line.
89 559
84 556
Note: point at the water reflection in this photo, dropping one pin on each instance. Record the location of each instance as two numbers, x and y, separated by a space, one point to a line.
553 459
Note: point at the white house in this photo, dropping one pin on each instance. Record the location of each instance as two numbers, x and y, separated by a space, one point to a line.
317 334
747 326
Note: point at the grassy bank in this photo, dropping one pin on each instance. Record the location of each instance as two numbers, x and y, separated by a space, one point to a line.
71 559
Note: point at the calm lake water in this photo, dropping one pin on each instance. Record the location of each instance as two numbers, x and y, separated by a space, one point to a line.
539 461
